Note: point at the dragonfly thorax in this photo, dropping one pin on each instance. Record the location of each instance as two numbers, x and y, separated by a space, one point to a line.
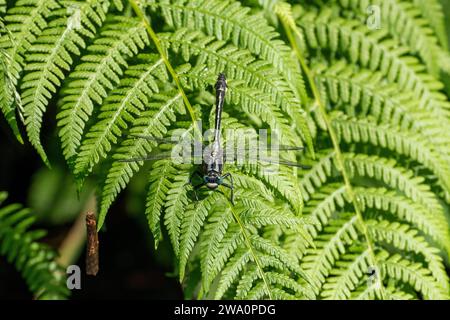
213 160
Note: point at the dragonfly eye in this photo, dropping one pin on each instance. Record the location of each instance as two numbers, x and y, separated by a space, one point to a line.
206 178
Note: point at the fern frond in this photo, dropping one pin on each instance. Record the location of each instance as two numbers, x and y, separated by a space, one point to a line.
405 23
433 12
9 96
406 210
221 240
176 201
373 50
231 272
240 64
193 219
404 238
34 260
2 7
402 142
267 255
332 197
413 274
377 168
153 122
122 106
228 20
50 55
99 72
25 21
396 177
159 184
233 255
330 244
345 278
364 93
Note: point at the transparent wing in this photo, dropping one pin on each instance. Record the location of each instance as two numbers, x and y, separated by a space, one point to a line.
161 156
285 163
245 157
177 158
160 140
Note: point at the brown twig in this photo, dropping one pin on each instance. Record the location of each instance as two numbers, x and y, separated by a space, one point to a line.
92 245
72 246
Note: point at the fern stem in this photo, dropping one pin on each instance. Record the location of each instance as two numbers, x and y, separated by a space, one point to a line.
339 157
134 4
252 252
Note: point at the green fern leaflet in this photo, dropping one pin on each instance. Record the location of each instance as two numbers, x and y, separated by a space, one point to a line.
370 105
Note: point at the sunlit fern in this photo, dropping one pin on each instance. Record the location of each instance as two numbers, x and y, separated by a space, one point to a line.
383 95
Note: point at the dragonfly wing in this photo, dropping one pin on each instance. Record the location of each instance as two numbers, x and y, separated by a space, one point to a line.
159 140
285 163
181 157
244 157
161 156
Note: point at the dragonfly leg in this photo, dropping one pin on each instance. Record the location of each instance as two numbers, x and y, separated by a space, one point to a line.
196 188
230 186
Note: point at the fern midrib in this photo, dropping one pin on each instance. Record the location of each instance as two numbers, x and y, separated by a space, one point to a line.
252 252
136 8
335 141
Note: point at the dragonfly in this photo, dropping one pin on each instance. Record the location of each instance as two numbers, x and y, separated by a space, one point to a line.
212 174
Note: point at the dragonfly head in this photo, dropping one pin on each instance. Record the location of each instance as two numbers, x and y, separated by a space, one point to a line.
212 181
